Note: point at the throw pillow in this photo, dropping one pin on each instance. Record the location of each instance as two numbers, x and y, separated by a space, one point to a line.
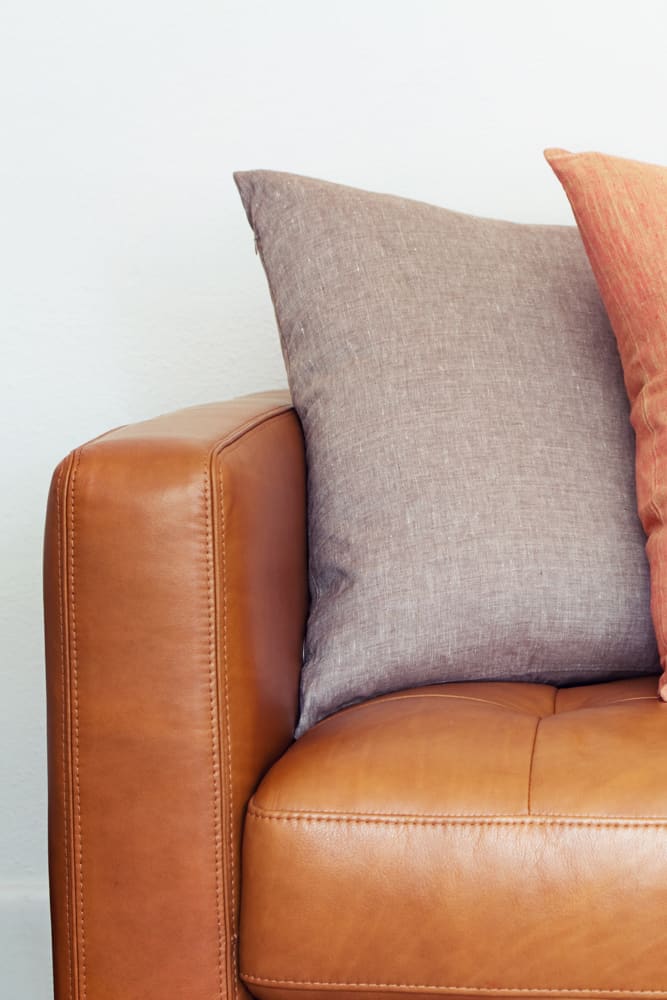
470 460
621 210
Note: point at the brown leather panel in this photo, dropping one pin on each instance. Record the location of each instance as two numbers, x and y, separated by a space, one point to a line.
610 760
535 699
413 753
444 891
147 583
592 695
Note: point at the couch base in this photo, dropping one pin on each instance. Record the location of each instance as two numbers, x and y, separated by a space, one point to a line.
469 840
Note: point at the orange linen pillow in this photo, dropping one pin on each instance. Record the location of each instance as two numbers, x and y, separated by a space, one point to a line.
621 209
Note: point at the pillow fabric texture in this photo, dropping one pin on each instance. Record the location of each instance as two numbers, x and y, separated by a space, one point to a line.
621 209
470 459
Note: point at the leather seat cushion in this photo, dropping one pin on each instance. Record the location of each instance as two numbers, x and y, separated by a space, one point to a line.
480 839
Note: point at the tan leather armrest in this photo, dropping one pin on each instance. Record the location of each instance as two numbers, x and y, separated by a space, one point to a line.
176 593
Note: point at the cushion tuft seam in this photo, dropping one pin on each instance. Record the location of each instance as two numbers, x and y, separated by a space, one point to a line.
530 766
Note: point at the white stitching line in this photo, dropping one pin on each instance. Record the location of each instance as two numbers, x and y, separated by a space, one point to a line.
461 989
212 691
228 733
75 676
61 619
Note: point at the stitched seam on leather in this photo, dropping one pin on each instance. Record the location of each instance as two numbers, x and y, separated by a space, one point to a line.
463 819
76 770
229 444
257 420
235 439
622 701
212 695
228 736
485 701
450 697
260 980
61 622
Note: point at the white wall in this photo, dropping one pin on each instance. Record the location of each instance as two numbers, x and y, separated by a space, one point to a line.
128 280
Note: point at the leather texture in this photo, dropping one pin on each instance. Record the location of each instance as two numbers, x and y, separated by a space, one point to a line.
175 587
473 839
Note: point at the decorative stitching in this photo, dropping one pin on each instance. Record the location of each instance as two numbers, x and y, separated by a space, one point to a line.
212 694
228 733
461 989
75 677
397 819
260 811
61 620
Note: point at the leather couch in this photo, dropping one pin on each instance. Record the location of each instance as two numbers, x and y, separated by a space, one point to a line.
469 840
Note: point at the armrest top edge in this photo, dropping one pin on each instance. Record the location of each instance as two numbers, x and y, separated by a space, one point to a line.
201 426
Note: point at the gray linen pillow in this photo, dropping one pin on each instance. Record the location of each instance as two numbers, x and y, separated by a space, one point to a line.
472 506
